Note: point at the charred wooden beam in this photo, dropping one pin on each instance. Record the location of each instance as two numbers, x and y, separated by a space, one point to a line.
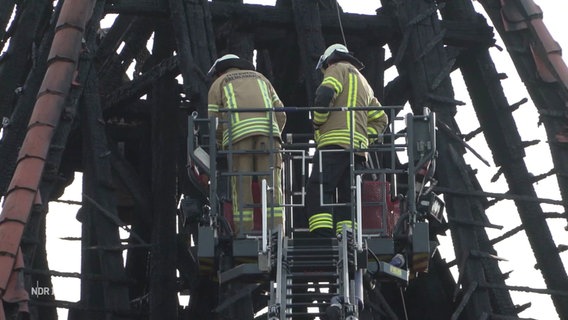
113 37
198 19
490 104
6 10
99 199
502 136
112 216
163 289
472 134
446 129
543 176
98 196
139 86
431 87
543 71
377 28
138 7
507 234
519 103
310 42
112 69
232 38
274 18
553 292
16 61
37 259
373 57
137 188
16 129
91 291
187 62
555 215
196 51
506 195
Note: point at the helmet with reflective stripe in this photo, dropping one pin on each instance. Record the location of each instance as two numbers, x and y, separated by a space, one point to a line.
337 47
226 57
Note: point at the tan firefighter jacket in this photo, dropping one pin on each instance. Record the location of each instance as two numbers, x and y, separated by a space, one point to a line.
244 89
351 89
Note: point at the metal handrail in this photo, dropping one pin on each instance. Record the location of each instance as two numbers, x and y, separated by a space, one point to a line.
264 204
301 149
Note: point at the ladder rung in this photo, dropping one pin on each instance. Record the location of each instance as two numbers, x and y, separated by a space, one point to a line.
308 315
311 248
313 262
314 295
306 304
312 285
314 276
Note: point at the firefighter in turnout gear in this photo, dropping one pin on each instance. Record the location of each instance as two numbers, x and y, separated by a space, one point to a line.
238 86
342 86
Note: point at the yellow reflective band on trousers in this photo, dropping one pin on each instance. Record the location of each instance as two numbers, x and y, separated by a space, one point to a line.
277 212
321 221
346 223
334 83
246 213
212 108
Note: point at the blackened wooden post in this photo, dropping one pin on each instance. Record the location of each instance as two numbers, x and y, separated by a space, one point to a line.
373 57
6 9
538 60
15 132
99 204
137 266
503 138
310 42
91 290
195 48
16 60
422 57
239 40
163 290
112 69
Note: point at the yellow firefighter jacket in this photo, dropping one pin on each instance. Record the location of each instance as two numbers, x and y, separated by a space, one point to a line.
244 89
351 89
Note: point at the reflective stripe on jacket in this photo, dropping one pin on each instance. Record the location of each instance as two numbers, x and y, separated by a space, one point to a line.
244 89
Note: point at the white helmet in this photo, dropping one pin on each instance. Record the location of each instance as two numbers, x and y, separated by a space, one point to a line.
223 58
331 49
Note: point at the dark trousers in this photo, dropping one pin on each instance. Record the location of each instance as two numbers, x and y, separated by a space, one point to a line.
335 175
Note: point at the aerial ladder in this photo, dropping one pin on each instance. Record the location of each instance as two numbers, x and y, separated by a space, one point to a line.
307 277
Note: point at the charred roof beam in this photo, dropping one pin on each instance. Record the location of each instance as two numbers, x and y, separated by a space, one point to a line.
378 27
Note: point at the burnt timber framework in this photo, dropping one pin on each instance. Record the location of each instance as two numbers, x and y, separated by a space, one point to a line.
68 105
